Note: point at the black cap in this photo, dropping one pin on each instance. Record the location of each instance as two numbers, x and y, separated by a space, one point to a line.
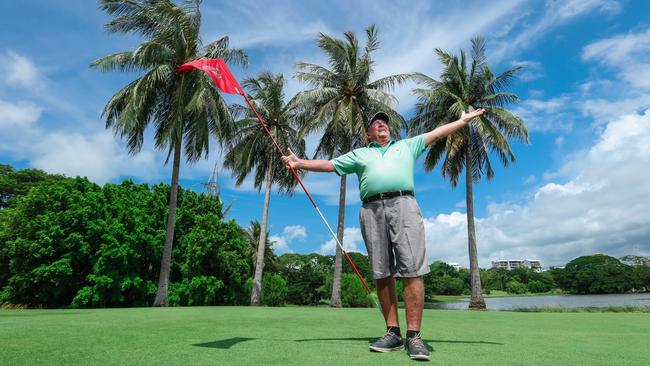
379 115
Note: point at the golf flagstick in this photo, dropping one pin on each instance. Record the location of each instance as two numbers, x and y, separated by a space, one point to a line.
225 81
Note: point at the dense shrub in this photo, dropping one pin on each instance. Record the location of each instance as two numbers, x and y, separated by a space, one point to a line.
274 290
353 293
68 242
515 287
537 286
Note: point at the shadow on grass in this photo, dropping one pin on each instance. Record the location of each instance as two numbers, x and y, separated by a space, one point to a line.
229 342
370 340
224 343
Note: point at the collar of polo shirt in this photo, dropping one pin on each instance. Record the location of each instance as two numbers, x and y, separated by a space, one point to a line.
376 144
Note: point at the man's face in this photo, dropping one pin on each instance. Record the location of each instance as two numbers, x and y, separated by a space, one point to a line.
378 131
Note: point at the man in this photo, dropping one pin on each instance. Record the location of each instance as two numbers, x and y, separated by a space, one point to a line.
391 223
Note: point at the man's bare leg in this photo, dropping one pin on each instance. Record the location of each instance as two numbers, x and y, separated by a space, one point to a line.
414 302
392 340
387 293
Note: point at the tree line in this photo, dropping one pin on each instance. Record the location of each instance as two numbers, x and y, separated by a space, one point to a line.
67 242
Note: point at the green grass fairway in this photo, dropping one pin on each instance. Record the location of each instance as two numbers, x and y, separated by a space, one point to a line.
314 336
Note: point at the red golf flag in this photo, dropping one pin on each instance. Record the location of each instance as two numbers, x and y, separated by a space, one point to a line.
218 71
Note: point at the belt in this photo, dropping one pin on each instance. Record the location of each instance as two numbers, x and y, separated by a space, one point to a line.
386 195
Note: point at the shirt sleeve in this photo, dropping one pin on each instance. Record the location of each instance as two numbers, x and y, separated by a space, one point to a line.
345 164
416 145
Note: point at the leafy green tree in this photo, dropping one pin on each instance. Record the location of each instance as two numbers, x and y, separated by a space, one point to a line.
559 276
537 286
128 247
641 275
202 290
49 242
443 279
363 266
252 150
522 274
306 275
185 109
275 290
463 88
218 249
353 293
17 183
70 242
341 100
546 279
515 287
597 274
499 279
253 238
14 184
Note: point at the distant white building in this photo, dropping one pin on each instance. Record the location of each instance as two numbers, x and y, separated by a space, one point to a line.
509 264
455 265
635 260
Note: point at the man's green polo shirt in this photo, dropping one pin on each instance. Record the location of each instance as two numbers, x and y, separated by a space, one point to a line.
382 171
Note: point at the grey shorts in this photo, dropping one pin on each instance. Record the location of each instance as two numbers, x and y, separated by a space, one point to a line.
394 235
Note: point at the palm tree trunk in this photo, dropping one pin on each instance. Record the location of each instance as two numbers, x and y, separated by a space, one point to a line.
256 294
476 302
335 300
163 280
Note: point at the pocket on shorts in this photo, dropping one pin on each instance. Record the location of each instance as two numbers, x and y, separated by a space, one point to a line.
411 212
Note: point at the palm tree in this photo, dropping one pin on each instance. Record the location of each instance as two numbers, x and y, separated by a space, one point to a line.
183 109
464 89
341 100
252 150
253 237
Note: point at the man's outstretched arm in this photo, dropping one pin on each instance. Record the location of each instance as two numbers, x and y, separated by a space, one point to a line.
445 130
311 165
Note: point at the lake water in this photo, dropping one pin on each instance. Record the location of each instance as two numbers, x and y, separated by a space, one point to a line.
567 301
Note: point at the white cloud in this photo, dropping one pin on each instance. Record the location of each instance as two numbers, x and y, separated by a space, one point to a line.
18 115
408 49
556 13
286 33
531 70
629 53
569 9
619 49
602 208
605 109
96 156
293 232
255 23
289 234
280 245
352 242
84 148
19 71
530 179
551 115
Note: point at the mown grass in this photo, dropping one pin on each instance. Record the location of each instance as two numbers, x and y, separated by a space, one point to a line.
314 336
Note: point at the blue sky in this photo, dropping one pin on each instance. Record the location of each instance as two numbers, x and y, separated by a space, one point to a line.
579 188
